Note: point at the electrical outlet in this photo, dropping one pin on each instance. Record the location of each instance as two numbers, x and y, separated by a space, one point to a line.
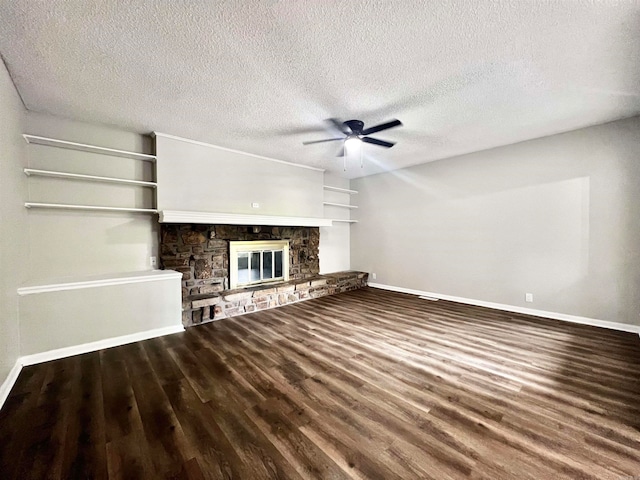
528 297
255 205
374 276
153 261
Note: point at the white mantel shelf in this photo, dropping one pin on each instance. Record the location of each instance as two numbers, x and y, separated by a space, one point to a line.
180 216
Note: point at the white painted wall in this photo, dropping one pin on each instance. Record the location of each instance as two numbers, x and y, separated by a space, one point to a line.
335 240
205 178
66 243
557 217
13 220
69 245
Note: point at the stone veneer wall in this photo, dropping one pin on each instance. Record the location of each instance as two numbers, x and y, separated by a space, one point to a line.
201 252
207 307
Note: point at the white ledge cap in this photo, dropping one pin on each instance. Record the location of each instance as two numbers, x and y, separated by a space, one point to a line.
92 281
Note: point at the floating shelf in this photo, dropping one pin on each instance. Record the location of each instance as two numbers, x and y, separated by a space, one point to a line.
343 220
341 205
341 190
61 206
92 178
52 142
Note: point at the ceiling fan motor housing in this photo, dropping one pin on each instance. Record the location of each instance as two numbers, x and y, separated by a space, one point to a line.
355 126
354 130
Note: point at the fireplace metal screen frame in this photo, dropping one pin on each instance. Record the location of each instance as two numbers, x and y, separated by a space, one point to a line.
236 247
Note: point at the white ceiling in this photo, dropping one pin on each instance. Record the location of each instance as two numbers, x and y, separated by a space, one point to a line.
258 75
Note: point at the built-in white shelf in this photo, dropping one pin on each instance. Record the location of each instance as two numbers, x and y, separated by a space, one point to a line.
341 205
343 220
92 178
63 206
341 190
53 142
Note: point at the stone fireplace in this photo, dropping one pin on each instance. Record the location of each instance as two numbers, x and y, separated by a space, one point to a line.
202 254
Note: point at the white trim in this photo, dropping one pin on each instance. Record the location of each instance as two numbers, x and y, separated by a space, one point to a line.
9 382
93 178
66 206
338 189
343 205
210 145
101 281
83 147
623 327
343 220
98 345
179 216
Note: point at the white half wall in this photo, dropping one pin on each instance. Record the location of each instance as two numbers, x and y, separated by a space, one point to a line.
556 217
63 315
14 250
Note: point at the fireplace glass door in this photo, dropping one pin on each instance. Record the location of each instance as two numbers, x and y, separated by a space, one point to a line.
258 262
256 267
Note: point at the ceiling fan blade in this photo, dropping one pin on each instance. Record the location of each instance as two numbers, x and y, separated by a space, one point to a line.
382 126
321 141
340 153
380 143
338 125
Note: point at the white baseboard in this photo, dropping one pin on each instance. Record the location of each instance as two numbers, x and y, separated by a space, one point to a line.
624 327
7 385
98 345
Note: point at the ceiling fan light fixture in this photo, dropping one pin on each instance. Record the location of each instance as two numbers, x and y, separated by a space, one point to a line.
354 135
353 149
353 141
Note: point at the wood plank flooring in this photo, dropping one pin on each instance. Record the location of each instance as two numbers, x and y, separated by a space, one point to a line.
366 384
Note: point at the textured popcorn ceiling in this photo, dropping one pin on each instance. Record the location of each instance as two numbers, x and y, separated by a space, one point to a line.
258 75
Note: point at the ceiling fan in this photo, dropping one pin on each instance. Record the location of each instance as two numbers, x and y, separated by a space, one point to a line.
354 134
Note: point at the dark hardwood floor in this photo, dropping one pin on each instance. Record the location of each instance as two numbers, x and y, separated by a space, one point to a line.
367 384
